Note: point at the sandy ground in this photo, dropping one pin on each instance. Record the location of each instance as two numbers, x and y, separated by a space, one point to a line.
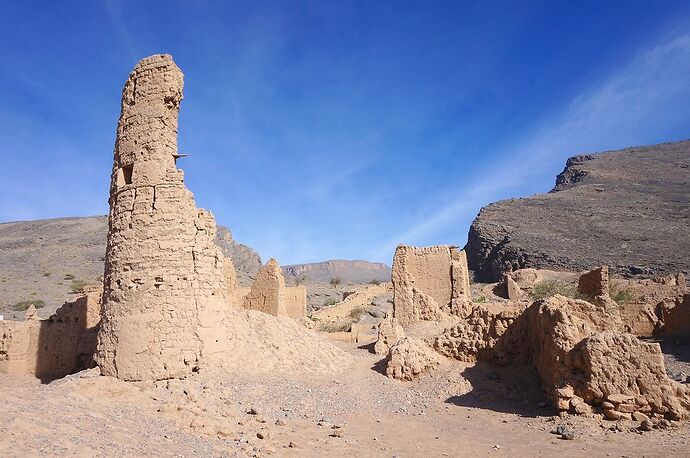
357 412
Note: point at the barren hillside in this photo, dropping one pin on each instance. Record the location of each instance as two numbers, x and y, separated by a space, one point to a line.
629 209
49 260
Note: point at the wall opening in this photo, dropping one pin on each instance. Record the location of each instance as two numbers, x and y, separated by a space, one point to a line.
127 171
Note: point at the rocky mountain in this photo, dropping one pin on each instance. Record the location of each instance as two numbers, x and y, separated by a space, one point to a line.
48 260
629 209
346 271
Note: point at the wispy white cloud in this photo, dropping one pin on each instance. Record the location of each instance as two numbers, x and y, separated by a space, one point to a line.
121 28
634 105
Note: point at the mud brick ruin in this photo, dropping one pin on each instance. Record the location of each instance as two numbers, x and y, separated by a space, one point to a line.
55 347
269 294
586 354
165 295
429 282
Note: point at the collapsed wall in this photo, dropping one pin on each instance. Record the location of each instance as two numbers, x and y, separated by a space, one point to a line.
580 351
269 294
429 282
165 295
57 346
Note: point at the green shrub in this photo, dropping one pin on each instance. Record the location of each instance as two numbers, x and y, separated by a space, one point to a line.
375 282
23 305
620 294
480 299
77 286
339 326
330 302
356 312
548 288
335 281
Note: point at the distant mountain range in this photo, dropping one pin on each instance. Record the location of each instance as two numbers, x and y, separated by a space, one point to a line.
345 271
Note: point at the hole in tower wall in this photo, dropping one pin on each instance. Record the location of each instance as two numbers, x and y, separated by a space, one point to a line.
127 171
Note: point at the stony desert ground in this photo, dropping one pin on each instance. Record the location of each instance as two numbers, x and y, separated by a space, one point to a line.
458 410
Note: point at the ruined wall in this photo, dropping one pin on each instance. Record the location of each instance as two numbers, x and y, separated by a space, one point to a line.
267 293
428 282
595 282
57 346
675 317
295 301
165 294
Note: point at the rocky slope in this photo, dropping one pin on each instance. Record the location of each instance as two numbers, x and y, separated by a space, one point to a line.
629 209
346 271
48 260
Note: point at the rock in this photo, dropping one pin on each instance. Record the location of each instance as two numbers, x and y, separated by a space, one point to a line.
292 444
512 232
565 392
579 406
263 434
646 425
280 422
639 416
618 398
409 358
627 408
376 313
253 411
607 405
611 414
389 333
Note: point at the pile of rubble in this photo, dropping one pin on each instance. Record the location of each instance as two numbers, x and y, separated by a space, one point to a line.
585 352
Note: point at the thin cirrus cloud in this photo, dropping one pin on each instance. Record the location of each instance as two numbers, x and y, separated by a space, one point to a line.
635 105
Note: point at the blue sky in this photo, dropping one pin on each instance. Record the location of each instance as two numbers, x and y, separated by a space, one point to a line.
320 130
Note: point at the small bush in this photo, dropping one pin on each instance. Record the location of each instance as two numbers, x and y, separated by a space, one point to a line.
46 274
548 288
23 305
299 280
375 282
341 326
68 277
356 312
621 295
77 286
335 281
480 299
330 302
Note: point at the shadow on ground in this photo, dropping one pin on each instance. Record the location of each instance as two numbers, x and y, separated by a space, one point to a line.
504 389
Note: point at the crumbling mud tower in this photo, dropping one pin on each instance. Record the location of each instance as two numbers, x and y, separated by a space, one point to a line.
165 296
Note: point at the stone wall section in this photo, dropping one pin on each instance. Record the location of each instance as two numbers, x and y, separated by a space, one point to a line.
428 282
267 293
60 345
595 282
296 301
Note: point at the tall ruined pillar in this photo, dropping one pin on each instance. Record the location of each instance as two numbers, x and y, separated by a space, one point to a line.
165 300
